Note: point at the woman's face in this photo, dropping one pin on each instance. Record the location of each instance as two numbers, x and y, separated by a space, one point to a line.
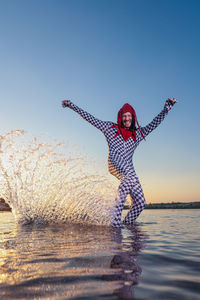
127 119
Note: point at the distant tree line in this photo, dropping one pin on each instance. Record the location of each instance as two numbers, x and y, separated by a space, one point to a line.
173 205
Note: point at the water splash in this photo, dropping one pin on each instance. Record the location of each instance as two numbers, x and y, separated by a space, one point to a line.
43 185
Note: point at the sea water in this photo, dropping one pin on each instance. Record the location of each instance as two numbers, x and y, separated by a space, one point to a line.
58 243
157 258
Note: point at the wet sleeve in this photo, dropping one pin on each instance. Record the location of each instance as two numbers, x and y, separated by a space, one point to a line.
101 125
157 120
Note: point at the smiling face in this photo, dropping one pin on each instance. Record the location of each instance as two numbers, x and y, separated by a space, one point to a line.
127 119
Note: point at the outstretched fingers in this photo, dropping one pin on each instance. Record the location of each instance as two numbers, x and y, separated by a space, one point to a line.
66 103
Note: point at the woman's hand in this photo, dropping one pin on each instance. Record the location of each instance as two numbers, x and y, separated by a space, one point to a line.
170 101
66 103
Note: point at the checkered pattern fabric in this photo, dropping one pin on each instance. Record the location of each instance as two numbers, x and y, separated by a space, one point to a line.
120 163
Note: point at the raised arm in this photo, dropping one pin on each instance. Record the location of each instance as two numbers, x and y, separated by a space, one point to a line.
101 125
159 118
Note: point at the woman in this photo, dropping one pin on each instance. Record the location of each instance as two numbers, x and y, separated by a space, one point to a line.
123 138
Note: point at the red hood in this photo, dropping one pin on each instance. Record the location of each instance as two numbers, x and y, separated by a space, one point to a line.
126 108
131 132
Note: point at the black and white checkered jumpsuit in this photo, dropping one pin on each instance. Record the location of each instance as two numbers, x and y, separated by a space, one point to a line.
120 163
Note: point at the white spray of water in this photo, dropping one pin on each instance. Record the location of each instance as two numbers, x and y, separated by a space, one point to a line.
43 185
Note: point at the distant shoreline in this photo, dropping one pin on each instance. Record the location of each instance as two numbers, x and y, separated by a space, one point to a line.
4 206
173 205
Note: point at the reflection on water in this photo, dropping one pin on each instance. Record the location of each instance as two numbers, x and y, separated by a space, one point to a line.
71 261
126 261
158 258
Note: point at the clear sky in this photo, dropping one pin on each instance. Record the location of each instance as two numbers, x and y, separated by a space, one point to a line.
101 54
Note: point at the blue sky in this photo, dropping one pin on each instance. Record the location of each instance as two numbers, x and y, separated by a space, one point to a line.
101 54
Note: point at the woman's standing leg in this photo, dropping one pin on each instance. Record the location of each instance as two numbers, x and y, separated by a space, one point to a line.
139 203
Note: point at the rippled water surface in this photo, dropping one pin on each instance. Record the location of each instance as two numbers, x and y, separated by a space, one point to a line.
158 258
